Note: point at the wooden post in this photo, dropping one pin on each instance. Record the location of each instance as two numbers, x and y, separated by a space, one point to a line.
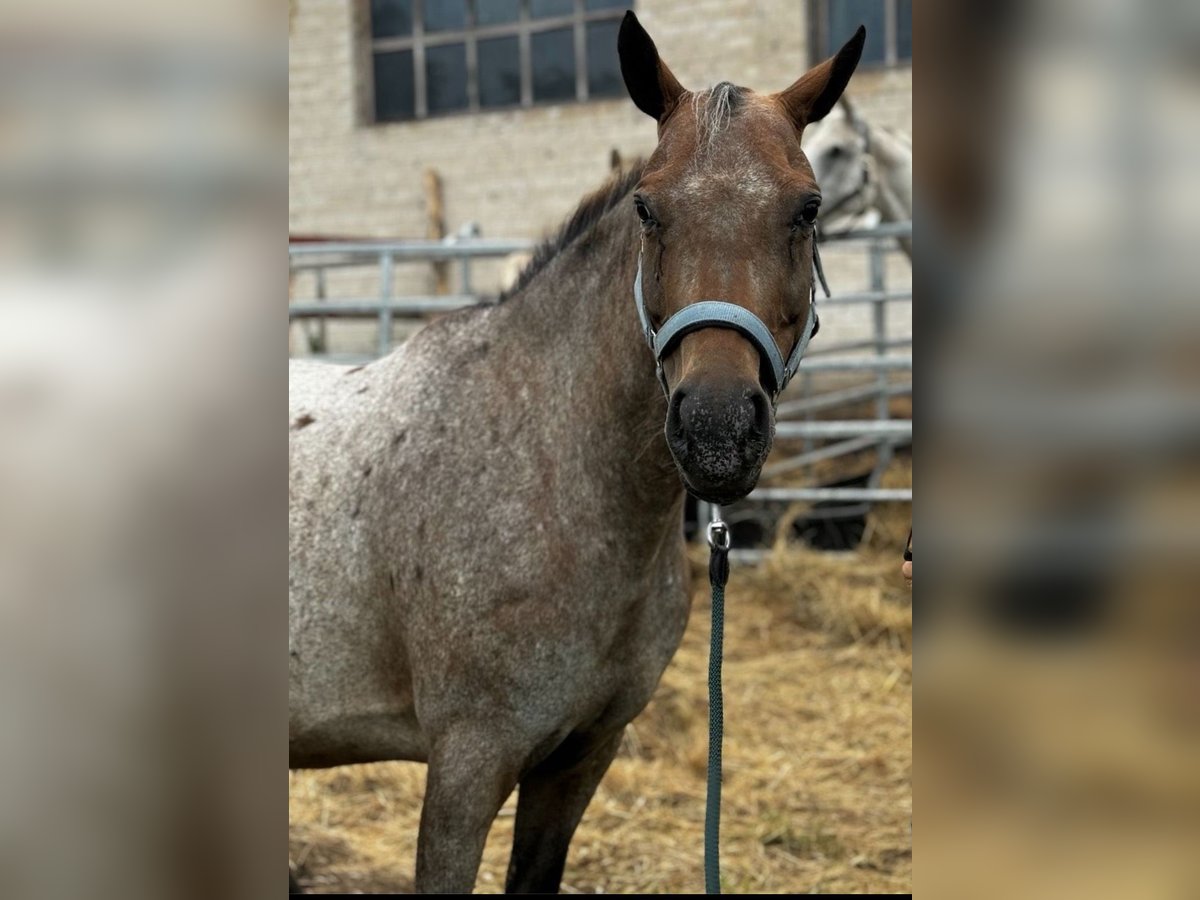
435 226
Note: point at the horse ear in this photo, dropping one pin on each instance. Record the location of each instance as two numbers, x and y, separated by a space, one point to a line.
650 83
816 91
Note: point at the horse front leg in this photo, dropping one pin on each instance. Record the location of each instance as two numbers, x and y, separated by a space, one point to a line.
550 804
469 779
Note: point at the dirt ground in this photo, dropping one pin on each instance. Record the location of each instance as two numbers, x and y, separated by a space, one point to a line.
818 754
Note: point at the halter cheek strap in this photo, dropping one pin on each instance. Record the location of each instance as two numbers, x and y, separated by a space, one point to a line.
722 314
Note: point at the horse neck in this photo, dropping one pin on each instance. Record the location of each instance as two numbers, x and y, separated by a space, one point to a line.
602 396
892 167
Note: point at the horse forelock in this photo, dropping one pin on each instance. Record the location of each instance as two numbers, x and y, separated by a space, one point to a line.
712 110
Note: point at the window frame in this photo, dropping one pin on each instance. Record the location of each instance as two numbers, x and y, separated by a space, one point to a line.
820 43
523 29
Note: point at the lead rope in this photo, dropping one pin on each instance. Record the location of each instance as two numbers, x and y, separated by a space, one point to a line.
718 575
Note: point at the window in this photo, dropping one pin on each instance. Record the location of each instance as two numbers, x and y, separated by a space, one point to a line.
888 22
435 57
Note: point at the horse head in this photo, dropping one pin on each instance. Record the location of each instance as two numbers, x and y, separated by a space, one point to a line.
726 204
839 150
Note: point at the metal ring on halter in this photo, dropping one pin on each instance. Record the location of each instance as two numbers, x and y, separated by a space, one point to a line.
718 535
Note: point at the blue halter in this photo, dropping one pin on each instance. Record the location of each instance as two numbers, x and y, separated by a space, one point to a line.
723 314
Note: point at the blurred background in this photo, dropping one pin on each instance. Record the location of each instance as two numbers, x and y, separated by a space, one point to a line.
142 487
1060 712
141 482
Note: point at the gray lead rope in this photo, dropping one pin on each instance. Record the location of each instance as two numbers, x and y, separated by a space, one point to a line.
718 575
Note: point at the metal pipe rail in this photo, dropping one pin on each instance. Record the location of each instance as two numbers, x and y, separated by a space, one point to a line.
756 556
853 364
893 344
420 251
857 297
901 429
889 495
842 397
882 230
370 309
829 451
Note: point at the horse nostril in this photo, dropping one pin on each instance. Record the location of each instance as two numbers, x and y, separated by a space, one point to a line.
761 418
674 415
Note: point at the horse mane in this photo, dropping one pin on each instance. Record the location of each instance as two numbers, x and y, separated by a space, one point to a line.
591 210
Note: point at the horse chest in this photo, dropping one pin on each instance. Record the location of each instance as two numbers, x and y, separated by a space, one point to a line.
639 637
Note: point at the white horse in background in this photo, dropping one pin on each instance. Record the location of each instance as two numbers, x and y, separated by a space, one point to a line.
865 171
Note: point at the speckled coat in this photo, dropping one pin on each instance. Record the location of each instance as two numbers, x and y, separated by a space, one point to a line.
486 566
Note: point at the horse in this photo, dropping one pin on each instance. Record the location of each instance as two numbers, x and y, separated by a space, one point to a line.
487 568
861 168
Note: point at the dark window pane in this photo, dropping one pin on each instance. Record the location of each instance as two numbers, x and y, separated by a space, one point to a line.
904 29
554 65
604 68
847 15
446 77
493 12
391 18
394 89
499 72
593 5
445 15
544 9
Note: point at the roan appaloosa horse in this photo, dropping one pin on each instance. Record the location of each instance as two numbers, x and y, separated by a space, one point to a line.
487 559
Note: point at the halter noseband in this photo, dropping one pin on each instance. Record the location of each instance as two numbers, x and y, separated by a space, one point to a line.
723 314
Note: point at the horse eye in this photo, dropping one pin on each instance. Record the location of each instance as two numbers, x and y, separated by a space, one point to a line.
643 211
836 151
808 215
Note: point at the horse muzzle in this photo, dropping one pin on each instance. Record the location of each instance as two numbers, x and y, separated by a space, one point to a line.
719 437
